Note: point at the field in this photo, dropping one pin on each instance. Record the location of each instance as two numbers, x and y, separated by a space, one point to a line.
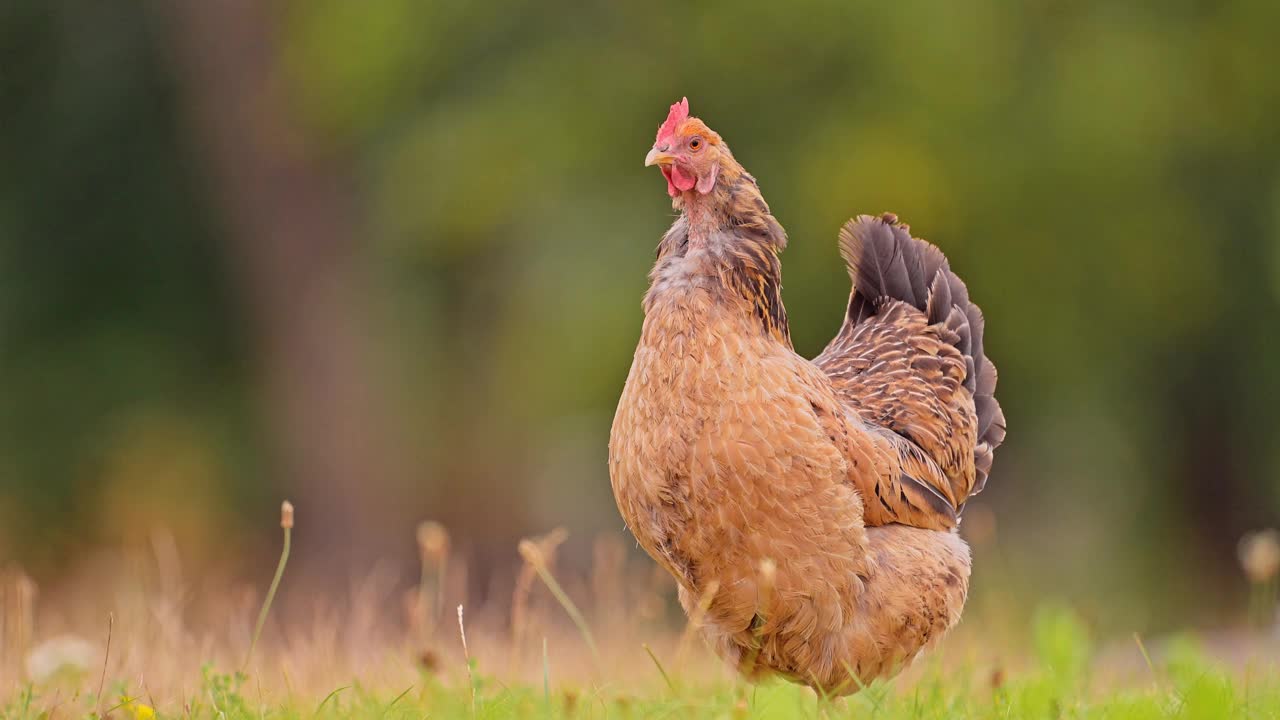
170 646
1060 683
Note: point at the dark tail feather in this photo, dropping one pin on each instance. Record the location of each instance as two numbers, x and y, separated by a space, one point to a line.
886 263
881 266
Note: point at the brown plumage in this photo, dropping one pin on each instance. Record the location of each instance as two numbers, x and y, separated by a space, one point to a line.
815 501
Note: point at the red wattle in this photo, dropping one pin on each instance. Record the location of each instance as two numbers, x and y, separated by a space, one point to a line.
677 180
680 180
671 189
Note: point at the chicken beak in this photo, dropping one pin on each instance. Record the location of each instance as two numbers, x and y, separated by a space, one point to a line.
658 157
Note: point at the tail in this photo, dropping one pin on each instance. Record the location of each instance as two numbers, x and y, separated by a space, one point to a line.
886 264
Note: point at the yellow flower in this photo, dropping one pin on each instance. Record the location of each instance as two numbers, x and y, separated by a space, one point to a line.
137 710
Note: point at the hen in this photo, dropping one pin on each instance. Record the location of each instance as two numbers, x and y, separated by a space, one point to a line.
809 506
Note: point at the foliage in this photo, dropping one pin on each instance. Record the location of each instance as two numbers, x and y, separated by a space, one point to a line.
1103 175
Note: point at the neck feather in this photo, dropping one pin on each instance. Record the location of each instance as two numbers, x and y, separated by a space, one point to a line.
730 238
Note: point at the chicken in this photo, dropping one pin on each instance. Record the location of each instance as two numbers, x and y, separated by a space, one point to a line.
809 506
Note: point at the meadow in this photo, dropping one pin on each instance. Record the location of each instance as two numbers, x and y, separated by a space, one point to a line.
607 644
1187 685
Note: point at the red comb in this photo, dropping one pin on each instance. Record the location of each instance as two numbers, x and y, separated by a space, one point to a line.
679 113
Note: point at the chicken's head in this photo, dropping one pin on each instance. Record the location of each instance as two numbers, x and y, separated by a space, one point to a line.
688 152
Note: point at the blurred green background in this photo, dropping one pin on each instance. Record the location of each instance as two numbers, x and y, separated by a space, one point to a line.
385 258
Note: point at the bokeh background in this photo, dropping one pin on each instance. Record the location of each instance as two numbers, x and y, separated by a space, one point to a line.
386 259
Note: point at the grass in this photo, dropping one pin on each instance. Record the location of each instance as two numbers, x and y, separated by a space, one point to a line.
1186 685
572 647
1065 677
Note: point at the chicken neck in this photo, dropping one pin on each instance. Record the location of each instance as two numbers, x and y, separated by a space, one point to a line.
726 243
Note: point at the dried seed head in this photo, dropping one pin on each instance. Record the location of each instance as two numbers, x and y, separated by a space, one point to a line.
541 551
286 515
433 540
1260 555
429 661
462 630
570 701
531 553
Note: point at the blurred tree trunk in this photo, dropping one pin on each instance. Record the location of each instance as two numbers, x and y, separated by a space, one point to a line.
291 224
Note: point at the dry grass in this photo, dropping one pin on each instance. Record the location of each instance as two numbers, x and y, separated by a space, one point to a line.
170 624
607 636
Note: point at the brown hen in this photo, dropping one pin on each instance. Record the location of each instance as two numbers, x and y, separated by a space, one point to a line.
811 506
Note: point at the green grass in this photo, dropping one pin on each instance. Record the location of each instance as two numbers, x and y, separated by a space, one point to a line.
1065 680
1194 689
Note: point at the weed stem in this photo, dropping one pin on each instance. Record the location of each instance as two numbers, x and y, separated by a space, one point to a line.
286 523
534 557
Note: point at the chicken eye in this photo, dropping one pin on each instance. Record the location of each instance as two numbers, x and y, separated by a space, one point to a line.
695 144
